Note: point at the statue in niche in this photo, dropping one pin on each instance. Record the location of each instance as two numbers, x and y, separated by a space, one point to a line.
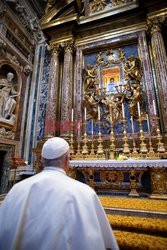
7 99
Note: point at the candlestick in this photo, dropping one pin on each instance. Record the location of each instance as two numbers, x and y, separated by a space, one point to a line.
148 123
99 113
155 111
85 114
72 115
138 107
123 111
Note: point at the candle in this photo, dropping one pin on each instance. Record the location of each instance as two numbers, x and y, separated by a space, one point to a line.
155 112
110 114
85 114
132 125
148 123
123 111
99 113
72 115
138 107
92 126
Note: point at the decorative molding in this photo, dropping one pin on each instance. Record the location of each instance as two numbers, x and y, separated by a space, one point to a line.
68 46
98 5
27 69
55 48
154 23
4 134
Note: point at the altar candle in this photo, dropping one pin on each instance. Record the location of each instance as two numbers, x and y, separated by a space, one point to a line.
148 123
110 113
72 115
155 112
123 111
85 114
132 125
138 107
99 113
92 126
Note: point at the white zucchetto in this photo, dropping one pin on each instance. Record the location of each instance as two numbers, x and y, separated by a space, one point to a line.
54 148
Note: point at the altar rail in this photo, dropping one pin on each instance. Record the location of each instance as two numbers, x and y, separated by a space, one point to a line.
135 177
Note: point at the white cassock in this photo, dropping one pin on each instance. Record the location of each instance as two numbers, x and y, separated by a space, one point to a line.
51 211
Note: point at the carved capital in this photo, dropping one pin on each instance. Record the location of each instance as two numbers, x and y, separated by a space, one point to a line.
68 47
55 49
154 24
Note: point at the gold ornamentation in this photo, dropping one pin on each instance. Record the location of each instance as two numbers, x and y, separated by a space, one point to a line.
154 23
98 5
55 49
117 2
68 47
48 6
112 177
133 183
158 182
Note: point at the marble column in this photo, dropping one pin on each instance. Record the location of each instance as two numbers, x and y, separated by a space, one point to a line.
148 78
160 62
52 94
66 98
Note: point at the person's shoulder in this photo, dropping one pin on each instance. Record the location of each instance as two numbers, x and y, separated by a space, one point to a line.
80 186
24 184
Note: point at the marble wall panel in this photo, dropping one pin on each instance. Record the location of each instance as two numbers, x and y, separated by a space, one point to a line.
43 96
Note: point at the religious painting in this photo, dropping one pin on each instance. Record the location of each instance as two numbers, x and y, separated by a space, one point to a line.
111 79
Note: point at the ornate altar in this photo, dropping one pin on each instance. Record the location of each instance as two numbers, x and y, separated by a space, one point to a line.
132 177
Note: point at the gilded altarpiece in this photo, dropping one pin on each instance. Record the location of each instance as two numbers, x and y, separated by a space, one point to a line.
110 73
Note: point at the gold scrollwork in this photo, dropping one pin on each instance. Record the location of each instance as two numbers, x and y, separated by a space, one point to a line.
159 180
131 90
112 177
98 5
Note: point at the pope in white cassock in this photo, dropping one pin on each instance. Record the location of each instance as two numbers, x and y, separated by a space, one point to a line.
51 211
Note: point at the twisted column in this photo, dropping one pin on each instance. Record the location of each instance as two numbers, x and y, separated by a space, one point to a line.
52 94
66 99
160 62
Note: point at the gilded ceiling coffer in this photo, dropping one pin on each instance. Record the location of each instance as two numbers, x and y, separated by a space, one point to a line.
52 96
160 62
66 98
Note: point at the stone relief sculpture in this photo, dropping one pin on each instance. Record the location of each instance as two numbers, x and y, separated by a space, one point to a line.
7 100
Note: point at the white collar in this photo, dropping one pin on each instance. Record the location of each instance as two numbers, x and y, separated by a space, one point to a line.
55 169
